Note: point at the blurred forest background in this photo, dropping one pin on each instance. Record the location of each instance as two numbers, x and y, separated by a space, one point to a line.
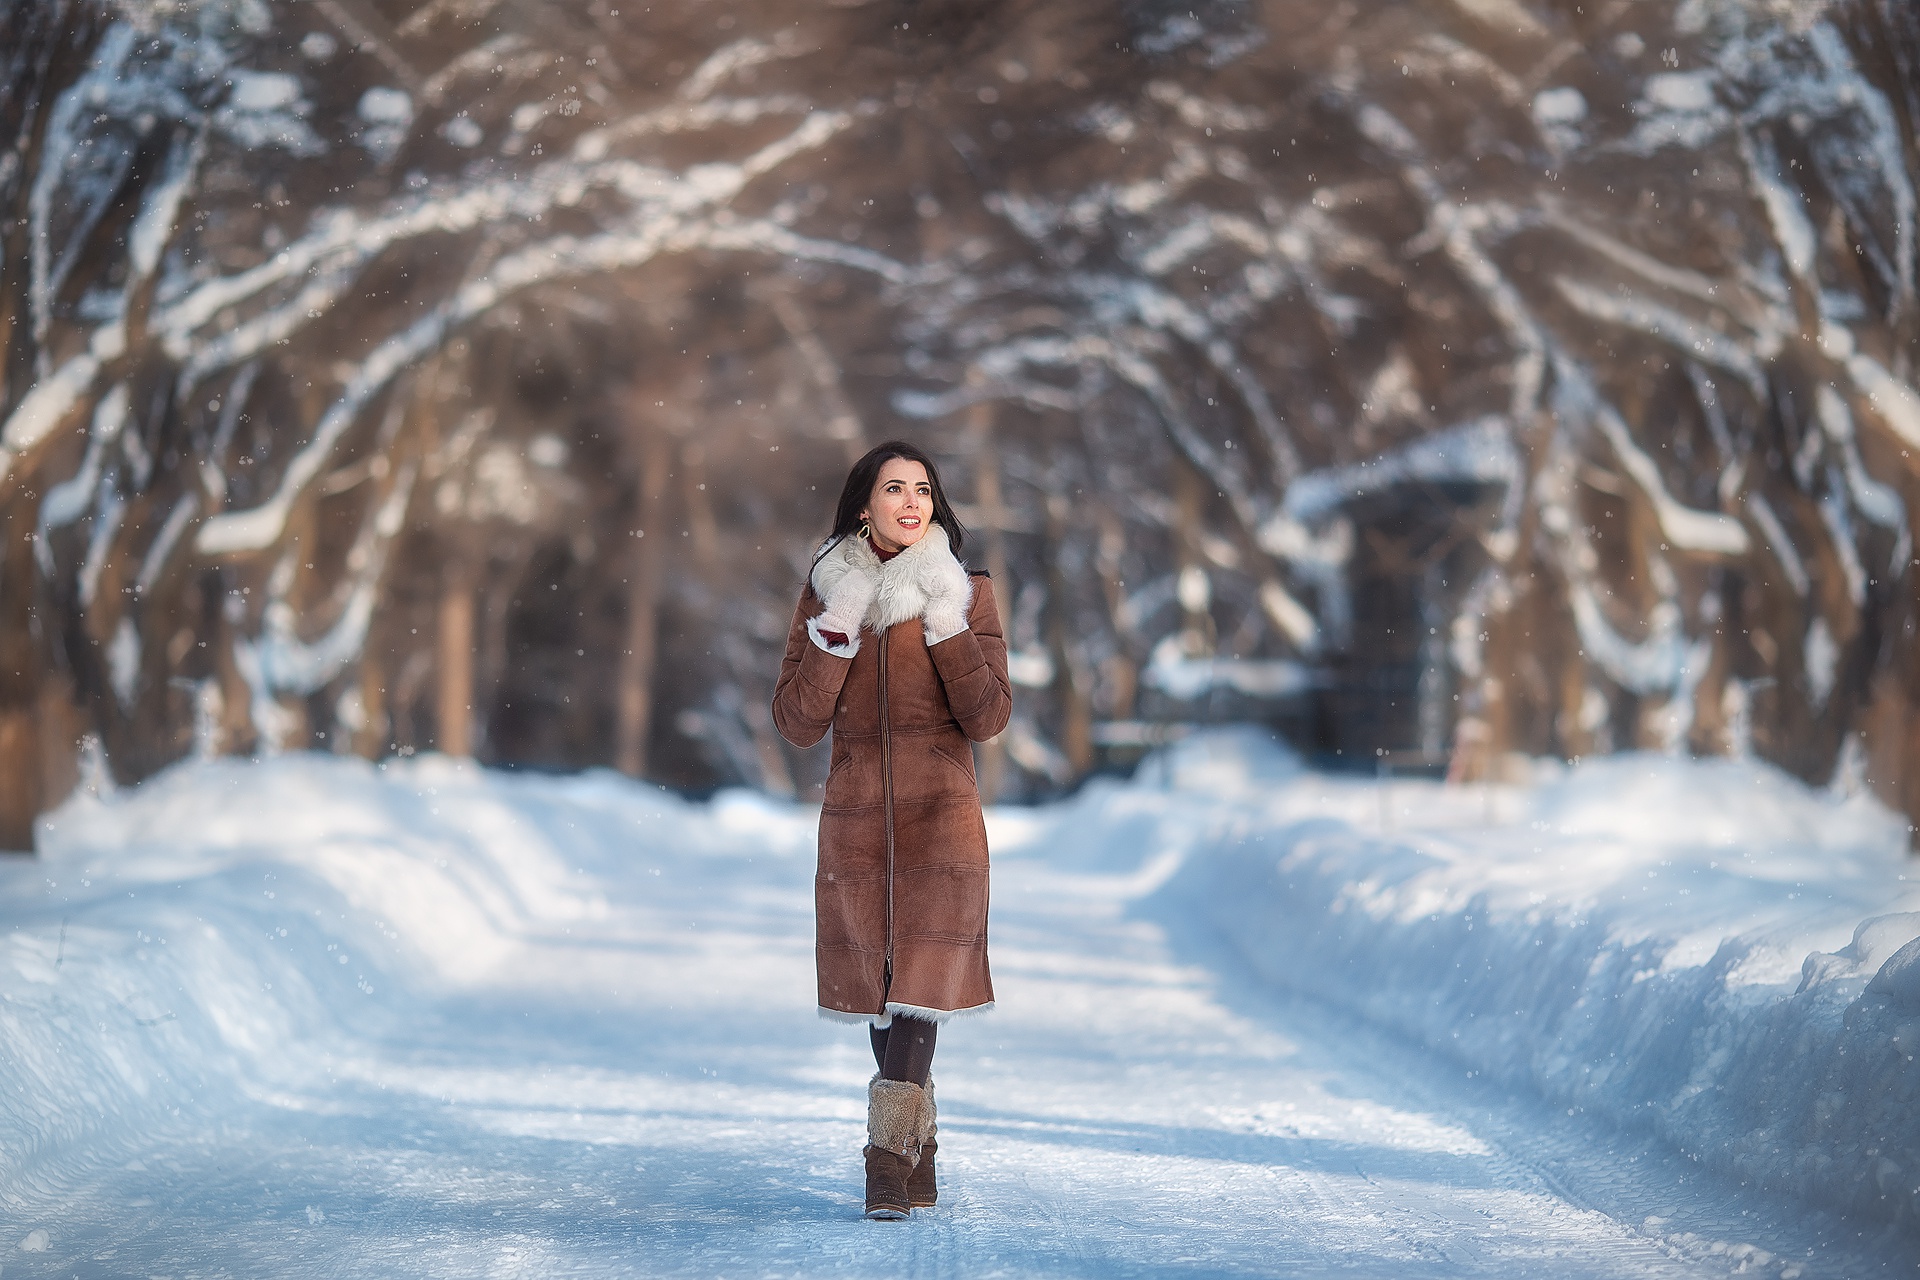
1433 380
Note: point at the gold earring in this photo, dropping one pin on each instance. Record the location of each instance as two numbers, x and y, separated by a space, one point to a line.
866 534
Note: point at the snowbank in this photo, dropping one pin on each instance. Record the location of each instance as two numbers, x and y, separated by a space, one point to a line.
1707 948
237 931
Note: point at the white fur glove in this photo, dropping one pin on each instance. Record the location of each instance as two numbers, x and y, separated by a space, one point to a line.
837 629
949 592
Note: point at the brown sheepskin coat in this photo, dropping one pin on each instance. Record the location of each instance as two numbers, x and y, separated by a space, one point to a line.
901 891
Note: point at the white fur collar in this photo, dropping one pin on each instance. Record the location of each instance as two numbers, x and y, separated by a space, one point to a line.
906 582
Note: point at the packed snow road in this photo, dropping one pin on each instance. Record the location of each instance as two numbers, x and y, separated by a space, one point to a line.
307 1018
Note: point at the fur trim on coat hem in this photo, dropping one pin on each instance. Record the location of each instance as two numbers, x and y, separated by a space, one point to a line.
897 1010
882 1021
853 1019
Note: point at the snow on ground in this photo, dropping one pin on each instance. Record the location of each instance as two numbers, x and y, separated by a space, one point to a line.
1703 947
311 1016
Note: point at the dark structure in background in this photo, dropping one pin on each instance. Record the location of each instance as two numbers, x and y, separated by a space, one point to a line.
473 375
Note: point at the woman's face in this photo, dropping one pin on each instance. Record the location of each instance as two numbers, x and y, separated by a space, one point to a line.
901 504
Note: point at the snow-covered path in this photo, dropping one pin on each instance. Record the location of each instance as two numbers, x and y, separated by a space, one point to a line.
563 1027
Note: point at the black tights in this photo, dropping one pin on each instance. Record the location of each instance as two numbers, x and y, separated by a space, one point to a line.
904 1051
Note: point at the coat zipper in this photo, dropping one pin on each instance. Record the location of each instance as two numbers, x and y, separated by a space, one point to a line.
886 784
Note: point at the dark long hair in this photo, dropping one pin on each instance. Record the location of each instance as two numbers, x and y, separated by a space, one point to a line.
858 491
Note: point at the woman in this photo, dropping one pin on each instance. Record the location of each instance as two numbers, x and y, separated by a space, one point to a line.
897 648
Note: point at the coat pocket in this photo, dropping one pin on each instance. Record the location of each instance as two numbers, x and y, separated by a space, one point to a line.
855 782
961 760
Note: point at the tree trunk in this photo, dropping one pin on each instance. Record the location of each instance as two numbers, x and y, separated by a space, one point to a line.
1196 609
993 517
20 670
60 727
19 778
453 701
1072 681
1892 739
634 698
372 737
1119 676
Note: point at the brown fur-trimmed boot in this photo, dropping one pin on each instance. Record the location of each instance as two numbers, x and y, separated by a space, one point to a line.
922 1189
894 1109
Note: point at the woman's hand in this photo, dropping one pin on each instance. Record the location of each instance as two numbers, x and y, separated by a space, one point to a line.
837 629
949 592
